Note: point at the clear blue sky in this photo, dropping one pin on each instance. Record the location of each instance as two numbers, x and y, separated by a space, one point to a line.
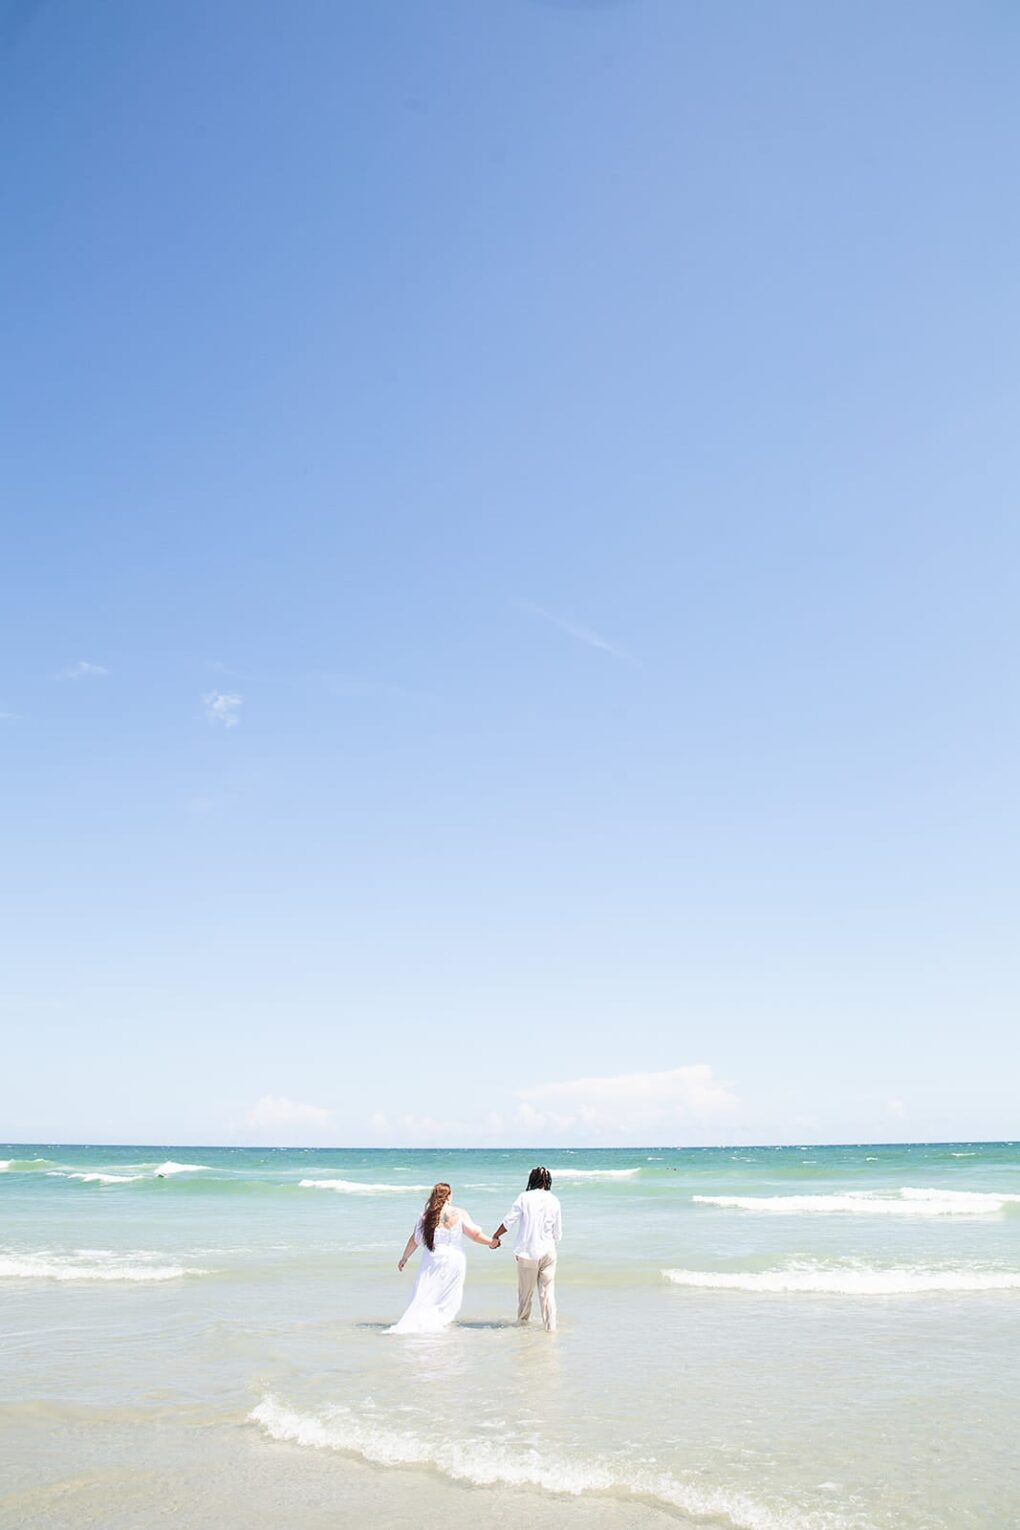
509 571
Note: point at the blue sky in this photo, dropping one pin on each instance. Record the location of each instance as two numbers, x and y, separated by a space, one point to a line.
509 572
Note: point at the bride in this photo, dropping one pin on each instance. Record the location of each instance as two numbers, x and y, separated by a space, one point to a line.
439 1289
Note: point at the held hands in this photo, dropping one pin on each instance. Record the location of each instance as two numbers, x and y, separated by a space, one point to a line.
494 1242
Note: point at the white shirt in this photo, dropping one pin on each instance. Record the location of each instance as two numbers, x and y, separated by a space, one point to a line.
539 1222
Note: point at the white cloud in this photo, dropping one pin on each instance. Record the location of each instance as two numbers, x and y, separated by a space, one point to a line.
625 1104
81 669
687 1104
273 1111
576 630
223 707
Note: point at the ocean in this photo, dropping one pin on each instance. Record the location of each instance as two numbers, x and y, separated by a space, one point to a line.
795 1338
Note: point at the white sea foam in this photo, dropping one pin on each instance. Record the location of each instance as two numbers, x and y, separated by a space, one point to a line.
352 1187
848 1279
95 1178
906 1202
104 1177
71 1267
487 1463
594 1173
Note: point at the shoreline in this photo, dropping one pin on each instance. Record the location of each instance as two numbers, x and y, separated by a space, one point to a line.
186 1474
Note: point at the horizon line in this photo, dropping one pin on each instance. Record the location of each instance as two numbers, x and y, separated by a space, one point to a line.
638 1147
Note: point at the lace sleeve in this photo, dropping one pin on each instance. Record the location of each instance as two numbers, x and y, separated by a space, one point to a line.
419 1230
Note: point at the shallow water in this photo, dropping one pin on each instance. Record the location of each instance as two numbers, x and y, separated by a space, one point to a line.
770 1339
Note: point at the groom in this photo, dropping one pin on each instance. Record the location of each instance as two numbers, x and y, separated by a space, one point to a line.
539 1221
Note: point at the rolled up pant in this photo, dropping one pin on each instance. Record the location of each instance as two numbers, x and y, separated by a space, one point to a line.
540 1273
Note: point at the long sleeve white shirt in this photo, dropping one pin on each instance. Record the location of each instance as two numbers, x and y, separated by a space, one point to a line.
539 1221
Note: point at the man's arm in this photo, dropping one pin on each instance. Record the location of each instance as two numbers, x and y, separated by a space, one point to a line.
512 1216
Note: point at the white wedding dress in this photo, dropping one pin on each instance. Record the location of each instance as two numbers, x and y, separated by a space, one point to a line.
439 1289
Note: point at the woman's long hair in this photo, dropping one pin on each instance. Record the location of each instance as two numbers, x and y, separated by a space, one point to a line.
433 1210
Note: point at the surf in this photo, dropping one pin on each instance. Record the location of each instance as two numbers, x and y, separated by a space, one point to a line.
906 1202
357 1187
64 1268
847 1279
485 1463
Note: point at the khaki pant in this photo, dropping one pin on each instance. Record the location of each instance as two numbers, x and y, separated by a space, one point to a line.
540 1273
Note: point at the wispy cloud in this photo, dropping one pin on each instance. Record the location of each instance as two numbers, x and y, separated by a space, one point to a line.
9 716
576 630
273 1111
81 669
687 1104
628 1103
223 707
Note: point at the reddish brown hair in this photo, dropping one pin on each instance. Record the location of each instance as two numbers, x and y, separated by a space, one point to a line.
433 1209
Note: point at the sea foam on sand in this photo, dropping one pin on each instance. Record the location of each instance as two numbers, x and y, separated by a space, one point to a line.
489 1463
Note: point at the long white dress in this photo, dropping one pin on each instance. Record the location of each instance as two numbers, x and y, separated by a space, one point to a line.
439 1289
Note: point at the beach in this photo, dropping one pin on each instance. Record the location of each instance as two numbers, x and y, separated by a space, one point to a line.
793 1338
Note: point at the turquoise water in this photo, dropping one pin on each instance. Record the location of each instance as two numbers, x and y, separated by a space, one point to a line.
796 1338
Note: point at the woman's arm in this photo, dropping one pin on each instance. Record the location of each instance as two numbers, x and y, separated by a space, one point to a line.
475 1233
477 1236
409 1248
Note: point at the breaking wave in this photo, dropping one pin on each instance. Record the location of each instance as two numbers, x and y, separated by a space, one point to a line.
904 1203
847 1280
90 1268
96 1178
108 1177
593 1173
353 1187
487 1463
